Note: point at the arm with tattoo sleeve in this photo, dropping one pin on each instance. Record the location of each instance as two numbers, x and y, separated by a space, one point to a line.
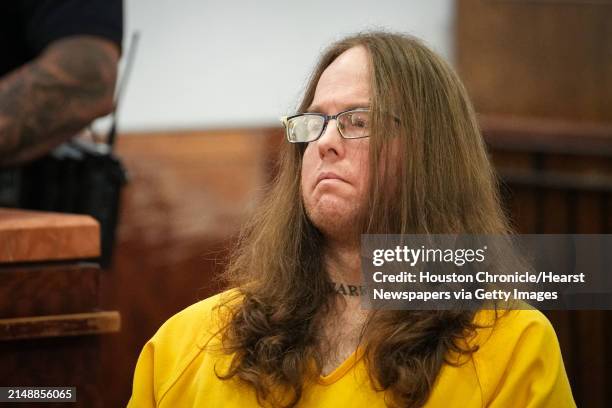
50 99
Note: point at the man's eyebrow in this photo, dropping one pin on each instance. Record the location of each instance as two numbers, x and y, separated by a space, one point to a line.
314 108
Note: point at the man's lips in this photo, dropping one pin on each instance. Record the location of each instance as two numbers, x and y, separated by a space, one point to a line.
329 176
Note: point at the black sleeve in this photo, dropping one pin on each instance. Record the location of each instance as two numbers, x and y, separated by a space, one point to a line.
46 21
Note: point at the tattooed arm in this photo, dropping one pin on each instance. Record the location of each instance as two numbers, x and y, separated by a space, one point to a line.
50 99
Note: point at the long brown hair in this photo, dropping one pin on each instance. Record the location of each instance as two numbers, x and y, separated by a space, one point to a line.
442 182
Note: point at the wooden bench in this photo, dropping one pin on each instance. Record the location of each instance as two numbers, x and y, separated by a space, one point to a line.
50 321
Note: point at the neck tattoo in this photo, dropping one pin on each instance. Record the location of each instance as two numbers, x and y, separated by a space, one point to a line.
347 290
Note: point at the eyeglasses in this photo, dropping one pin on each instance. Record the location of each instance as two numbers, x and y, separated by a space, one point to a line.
308 127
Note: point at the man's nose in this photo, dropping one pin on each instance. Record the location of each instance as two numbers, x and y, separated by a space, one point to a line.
330 142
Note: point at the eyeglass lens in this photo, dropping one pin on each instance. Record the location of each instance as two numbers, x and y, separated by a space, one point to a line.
306 128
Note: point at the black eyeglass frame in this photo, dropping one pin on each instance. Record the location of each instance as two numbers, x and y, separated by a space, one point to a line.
285 120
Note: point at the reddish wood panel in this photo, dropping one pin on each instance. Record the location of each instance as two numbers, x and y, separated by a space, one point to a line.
29 236
76 324
548 59
55 362
49 310
520 134
51 289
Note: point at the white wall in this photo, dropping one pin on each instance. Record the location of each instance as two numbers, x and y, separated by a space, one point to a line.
208 64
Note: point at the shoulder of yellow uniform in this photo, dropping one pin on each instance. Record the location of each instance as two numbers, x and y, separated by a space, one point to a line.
510 340
513 322
196 324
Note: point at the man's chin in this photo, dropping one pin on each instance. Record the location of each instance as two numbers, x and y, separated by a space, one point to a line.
334 224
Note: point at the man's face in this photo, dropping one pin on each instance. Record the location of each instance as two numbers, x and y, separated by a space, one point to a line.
335 170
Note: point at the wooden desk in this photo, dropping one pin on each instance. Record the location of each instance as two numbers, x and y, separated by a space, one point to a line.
50 322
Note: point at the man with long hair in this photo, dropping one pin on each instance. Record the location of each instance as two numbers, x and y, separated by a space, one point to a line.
385 141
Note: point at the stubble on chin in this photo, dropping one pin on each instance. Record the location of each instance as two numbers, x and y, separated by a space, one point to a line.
333 221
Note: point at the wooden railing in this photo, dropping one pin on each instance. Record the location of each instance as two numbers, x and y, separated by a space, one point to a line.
50 317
